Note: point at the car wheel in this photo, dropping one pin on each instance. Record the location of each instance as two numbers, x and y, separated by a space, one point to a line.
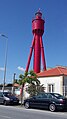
5 103
26 105
52 107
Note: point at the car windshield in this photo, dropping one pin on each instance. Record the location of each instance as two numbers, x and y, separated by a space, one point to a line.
57 95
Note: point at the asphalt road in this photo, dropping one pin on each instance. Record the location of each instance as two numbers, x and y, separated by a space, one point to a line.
9 112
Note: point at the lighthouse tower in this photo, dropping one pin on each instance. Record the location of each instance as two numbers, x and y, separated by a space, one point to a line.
37 43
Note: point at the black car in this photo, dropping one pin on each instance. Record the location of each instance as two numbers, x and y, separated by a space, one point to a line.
8 98
51 101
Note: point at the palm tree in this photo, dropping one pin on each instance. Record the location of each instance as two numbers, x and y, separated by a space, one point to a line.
28 77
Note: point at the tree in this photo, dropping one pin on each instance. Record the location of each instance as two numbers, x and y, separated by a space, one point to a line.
28 77
34 89
34 86
15 81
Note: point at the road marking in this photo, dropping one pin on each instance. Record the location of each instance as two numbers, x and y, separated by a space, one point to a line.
6 117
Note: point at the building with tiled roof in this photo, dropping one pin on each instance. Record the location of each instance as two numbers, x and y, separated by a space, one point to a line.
54 79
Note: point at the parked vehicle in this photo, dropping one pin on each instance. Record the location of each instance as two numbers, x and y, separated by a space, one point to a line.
51 101
8 98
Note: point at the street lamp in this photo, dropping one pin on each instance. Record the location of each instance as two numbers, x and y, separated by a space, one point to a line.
5 60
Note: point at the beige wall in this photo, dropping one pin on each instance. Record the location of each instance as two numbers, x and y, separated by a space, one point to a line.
57 81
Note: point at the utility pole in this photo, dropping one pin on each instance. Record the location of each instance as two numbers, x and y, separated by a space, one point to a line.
13 82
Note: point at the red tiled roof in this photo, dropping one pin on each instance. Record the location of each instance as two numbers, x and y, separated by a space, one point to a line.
57 71
16 85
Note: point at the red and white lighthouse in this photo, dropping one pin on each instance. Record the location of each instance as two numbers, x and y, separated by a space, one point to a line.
37 43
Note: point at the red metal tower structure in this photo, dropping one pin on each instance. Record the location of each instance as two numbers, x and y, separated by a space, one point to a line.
37 44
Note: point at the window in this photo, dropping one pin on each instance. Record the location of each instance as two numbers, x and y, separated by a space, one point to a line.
50 96
41 95
1 95
51 88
